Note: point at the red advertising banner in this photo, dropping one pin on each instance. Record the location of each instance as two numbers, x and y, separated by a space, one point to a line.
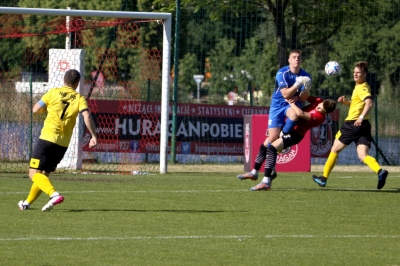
134 126
293 159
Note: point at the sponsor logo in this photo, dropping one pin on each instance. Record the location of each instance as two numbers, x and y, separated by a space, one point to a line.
322 137
134 146
63 65
287 155
185 147
247 142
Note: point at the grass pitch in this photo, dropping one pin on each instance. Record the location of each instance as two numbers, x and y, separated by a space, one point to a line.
203 219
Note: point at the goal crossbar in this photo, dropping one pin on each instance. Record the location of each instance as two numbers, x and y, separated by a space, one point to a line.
166 17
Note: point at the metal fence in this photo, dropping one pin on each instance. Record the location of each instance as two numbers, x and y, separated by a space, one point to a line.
238 47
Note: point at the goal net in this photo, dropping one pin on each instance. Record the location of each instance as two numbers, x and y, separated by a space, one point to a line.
123 58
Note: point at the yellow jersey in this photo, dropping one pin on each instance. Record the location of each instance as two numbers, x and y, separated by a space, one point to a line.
361 92
63 106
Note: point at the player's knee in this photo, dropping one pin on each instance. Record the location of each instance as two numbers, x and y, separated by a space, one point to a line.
292 116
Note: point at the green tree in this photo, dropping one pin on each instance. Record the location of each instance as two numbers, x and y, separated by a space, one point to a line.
297 24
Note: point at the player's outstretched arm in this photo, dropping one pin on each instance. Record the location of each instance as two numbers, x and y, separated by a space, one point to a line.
39 108
299 112
91 126
342 100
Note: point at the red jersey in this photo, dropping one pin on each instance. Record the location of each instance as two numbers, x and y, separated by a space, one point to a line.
316 119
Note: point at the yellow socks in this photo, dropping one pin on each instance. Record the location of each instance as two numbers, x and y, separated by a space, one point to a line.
33 194
43 183
330 163
372 163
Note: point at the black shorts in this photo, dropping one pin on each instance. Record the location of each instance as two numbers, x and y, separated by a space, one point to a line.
291 139
46 156
349 133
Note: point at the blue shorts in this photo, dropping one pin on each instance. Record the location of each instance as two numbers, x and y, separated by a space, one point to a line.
277 117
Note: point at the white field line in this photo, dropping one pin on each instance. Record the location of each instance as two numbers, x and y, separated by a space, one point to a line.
202 191
239 238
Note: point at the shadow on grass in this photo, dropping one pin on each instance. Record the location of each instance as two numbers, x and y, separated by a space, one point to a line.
131 210
392 190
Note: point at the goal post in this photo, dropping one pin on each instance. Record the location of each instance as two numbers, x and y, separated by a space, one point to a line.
165 18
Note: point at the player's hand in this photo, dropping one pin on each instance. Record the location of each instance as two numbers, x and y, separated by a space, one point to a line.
341 99
299 82
303 80
92 142
358 122
307 83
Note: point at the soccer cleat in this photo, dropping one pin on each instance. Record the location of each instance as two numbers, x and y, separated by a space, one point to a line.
261 186
22 206
320 180
53 201
248 176
382 174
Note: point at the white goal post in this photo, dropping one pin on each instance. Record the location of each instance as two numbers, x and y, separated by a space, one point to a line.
166 17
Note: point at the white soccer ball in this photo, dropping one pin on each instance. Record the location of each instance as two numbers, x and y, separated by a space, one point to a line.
332 68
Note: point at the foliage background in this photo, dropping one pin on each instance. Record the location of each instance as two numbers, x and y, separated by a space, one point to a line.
239 45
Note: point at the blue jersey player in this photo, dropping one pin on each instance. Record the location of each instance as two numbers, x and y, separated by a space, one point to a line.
291 81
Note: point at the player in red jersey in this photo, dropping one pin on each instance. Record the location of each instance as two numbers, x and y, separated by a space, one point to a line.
311 116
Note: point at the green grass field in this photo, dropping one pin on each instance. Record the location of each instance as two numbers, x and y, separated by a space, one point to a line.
203 219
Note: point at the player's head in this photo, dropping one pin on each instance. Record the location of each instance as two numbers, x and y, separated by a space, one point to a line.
295 59
326 107
360 72
72 78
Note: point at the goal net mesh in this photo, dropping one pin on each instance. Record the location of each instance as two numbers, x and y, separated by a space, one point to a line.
121 80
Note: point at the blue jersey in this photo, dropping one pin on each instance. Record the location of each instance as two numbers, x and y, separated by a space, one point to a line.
284 79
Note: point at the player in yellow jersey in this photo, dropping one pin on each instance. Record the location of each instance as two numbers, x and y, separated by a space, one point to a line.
356 128
63 106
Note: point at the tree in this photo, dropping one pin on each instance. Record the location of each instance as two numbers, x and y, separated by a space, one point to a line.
297 24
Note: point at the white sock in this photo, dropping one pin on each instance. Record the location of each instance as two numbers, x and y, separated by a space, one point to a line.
254 171
55 193
266 180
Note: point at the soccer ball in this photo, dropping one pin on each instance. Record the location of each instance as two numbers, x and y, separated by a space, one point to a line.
332 68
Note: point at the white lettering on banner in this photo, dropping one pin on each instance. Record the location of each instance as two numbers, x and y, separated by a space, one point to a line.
147 127
117 145
194 129
254 111
183 110
214 130
235 149
118 126
224 130
238 131
287 155
188 110
182 130
131 131
157 128
204 129
152 147
217 111
105 130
